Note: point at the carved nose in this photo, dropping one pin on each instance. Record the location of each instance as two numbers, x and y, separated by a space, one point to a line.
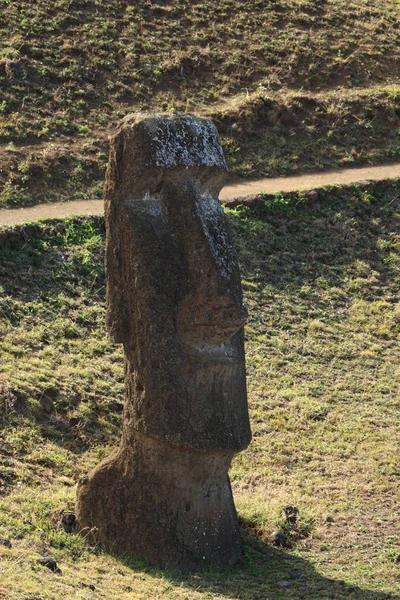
212 312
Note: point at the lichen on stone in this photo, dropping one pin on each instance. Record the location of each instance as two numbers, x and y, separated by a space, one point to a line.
185 141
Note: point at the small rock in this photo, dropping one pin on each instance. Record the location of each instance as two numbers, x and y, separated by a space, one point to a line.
47 404
50 563
5 542
291 514
312 196
278 538
127 588
296 575
61 227
284 584
330 519
68 521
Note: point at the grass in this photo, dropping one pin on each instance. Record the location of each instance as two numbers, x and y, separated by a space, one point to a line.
322 287
292 84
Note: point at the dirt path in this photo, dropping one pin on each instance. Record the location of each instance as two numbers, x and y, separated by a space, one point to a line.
18 216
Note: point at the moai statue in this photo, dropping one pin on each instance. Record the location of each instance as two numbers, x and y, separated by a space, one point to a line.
175 303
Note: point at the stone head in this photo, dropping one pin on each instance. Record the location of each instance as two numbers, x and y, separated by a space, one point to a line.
173 284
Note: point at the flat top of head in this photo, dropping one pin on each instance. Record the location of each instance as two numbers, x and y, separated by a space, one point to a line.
174 140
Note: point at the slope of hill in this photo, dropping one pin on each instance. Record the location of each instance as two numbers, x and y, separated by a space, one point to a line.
291 84
322 284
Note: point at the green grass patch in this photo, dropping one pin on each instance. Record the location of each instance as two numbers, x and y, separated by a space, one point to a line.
322 287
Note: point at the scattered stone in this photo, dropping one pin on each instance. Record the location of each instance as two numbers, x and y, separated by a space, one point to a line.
50 563
330 519
61 227
5 542
68 521
285 584
313 196
127 588
291 514
47 404
278 538
296 575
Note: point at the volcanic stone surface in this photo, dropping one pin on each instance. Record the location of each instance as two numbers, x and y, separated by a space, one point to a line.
175 303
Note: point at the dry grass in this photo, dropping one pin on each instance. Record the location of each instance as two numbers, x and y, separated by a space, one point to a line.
322 285
293 84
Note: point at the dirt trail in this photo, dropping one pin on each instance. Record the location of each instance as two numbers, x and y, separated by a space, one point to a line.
308 181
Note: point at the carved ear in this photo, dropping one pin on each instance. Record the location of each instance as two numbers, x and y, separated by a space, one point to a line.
116 309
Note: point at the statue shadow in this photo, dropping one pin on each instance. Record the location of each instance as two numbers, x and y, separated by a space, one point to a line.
264 573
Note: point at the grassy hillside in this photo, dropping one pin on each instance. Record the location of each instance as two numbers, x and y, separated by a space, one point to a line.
322 285
291 84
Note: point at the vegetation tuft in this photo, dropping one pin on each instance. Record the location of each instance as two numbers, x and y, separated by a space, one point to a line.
322 284
291 84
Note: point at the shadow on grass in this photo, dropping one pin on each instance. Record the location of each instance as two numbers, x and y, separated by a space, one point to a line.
264 573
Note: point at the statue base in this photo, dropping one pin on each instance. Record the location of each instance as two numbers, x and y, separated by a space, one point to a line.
170 506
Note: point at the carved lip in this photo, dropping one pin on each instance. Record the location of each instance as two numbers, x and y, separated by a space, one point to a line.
213 353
